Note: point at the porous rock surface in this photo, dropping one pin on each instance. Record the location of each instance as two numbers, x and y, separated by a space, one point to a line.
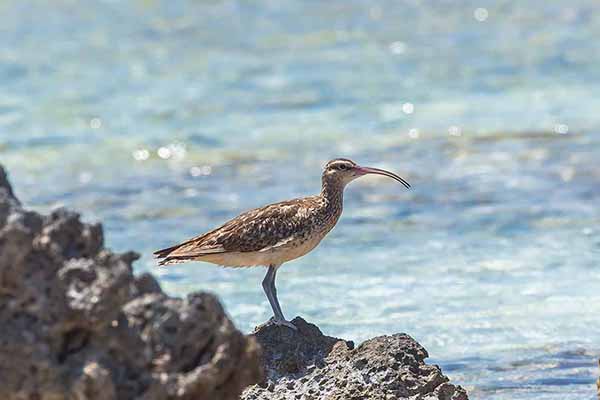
598 384
307 365
76 324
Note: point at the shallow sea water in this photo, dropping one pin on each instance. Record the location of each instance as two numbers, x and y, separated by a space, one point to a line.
164 119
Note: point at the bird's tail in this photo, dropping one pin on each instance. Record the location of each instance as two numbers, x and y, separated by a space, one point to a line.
165 257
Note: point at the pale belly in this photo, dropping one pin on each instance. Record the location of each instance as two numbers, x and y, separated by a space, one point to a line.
275 256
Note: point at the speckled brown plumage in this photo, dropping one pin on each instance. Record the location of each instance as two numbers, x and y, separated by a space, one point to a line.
277 233
285 225
260 229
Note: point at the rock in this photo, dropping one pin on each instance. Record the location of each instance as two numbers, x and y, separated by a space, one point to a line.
598 384
5 184
7 197
77 324
305 364
287 352
146 283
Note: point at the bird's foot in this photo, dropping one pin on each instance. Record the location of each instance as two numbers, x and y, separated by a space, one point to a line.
283 322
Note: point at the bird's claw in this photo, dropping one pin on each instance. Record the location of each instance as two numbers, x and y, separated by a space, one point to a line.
283 322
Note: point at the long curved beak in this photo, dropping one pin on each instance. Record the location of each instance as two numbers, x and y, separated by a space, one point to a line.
377 171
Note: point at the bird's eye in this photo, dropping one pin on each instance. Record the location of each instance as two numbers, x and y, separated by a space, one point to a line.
343 167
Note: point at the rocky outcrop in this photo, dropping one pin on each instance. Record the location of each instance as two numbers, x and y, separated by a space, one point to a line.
76 324
307 365
598 384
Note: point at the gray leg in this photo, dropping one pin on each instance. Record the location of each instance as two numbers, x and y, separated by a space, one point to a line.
271 292
268 285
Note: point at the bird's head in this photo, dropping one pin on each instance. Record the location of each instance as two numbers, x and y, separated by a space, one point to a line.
341 171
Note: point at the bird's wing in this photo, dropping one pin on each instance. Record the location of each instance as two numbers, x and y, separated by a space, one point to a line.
260 229
280 243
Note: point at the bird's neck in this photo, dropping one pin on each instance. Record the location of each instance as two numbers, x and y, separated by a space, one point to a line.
333 194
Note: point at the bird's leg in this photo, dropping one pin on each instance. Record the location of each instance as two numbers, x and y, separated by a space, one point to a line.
268 285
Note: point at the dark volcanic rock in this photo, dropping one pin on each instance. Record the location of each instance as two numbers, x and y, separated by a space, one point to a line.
76 324
287 352
307 365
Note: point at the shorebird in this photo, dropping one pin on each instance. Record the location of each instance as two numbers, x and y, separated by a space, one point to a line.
274 234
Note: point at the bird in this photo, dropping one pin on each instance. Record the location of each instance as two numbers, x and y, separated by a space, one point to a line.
276 233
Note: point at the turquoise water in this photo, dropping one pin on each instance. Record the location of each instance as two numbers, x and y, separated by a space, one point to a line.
164 119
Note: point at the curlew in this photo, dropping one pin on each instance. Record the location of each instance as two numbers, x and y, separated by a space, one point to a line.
274 234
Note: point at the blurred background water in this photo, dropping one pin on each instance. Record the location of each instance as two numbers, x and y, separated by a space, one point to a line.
165 118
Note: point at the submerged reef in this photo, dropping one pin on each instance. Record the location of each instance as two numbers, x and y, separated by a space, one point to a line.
77 324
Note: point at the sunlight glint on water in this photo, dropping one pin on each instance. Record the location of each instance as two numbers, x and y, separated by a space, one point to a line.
164 119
